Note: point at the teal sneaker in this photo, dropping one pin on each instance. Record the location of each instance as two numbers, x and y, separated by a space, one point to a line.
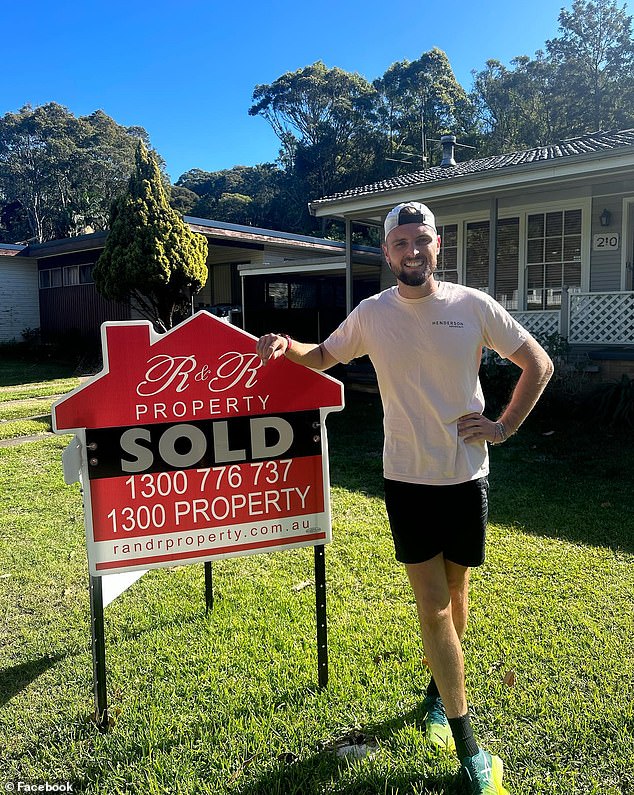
437 726
483 774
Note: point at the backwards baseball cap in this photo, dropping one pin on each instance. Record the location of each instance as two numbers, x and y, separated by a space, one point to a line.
409 213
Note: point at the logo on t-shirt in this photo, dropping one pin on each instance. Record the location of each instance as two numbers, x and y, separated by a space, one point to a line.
449 323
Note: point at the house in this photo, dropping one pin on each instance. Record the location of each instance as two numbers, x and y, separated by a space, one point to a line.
18 293
548 231
260 278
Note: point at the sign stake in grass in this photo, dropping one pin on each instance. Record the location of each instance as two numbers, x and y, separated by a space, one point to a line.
189 450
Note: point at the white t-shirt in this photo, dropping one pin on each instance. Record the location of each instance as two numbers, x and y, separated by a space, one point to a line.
426 353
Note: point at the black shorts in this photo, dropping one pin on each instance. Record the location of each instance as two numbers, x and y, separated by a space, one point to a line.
429 520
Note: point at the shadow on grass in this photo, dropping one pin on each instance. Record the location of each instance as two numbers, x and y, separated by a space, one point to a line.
559 477
566 481
15 372
355 439
326 771
19 677
312 776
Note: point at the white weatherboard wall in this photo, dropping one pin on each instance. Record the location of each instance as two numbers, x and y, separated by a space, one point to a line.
19 298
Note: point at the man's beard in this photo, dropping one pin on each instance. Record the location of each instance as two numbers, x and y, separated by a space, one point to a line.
417 277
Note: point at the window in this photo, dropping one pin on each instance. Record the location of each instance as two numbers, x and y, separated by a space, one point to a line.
85 274
277 295
303 295
477 255
553 257
45 279
56 277
507 263
71 275
447 270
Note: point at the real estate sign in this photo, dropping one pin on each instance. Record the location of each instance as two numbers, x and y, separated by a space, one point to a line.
189 449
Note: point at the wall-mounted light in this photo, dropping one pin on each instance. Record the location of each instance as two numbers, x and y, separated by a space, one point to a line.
605 218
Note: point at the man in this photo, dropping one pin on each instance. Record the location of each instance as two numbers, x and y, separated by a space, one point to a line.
425 341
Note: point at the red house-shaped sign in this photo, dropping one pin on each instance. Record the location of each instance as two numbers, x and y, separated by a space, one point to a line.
191 450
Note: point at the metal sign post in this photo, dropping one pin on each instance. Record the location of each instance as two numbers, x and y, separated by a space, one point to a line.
98 653
209 587
320 603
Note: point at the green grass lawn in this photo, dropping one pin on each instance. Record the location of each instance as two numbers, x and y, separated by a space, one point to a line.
27 390
228 702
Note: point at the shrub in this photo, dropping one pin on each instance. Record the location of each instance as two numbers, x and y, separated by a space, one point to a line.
611 405
498 378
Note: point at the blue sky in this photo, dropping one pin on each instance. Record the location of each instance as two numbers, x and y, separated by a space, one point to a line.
185 70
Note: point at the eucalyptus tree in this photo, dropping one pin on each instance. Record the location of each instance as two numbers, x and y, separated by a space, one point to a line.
582 82
59 173
419 101
517 107
594 61
324 121
241 195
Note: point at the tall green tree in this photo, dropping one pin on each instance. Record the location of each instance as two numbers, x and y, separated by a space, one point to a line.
59 173
594 61
323 119
517 106
241 195
421 100
150 255
582 82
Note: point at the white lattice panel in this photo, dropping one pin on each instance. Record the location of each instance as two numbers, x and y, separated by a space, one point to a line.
602 318
539 324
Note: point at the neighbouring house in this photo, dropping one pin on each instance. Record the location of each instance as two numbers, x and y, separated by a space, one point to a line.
549 232
279 280
259 278
18 293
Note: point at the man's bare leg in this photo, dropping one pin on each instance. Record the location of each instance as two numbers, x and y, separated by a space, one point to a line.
441 595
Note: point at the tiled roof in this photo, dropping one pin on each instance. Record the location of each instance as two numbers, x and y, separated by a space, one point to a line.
592 143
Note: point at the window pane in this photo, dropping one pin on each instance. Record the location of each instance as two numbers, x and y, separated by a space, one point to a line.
554 224
71 275
45 279
277 295
534 299
553 249
449 235
303 296
85 274
507 263
56 277
572 222
536 250
535 281
536 225
553 275
450 259
572 274
534 276
478 255
572 247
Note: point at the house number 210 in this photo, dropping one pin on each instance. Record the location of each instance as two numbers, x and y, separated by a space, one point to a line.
605 242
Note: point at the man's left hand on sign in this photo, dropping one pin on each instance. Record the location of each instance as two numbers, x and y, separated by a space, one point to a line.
475 427
271 346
